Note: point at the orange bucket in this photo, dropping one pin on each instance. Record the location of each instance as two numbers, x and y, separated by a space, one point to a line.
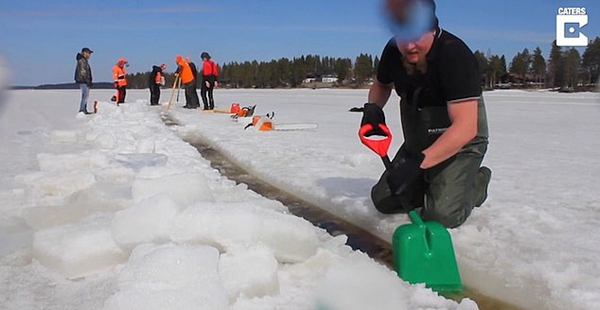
235 108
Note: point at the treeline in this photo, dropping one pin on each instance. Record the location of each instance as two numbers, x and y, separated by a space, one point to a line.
563 68
283 72
286 72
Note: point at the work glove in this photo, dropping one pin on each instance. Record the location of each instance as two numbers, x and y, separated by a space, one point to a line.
373 114
404 172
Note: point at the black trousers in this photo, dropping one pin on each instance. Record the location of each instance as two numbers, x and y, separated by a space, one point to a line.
208 101
154 94
121 92
191 96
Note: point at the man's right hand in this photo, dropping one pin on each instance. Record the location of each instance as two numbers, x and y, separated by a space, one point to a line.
373 114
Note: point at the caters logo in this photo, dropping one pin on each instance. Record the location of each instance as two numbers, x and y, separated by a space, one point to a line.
569 22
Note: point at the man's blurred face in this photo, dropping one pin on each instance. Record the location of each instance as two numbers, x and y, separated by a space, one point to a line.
415 51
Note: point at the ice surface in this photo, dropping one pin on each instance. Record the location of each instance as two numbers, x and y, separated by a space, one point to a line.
532 243
148 221
170 277
79 249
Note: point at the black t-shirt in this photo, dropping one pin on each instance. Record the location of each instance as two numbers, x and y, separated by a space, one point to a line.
452 74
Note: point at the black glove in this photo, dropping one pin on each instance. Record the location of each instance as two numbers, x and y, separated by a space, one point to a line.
404 172
373 114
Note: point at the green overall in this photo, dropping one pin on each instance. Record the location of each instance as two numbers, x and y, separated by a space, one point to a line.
449 191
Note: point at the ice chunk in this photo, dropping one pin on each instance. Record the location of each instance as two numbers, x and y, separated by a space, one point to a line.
64 136
249 272
14 235
136 161
227 225
360 284
185 188
145 146
69 162
103 196
106 140
54 188
150 220
170 277
79 249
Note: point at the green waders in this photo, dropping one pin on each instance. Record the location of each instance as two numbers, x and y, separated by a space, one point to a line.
447 192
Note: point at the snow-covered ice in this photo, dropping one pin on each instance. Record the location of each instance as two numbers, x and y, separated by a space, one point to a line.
116 211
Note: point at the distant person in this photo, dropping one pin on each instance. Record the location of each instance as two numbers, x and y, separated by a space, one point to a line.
120 80
210 73
188 79
438 167
83 77
156 80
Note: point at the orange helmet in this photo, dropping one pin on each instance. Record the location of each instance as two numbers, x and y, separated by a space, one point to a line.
122 61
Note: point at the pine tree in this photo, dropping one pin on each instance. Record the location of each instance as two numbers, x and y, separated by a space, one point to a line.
538 65
591 61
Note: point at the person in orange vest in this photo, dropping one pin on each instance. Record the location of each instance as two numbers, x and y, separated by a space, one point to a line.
210 74
120 79
156 81
188 79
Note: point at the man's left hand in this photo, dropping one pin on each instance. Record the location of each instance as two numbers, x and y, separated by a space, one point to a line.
404 173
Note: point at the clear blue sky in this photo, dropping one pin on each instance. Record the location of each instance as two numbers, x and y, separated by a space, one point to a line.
40 38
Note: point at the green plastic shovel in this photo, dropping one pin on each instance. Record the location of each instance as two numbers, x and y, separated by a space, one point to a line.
423 251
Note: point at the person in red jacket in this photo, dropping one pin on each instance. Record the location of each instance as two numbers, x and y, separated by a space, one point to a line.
210 74
120 80
188 79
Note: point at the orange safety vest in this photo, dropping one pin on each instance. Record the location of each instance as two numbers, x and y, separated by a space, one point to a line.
119 76
158 78
185 72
